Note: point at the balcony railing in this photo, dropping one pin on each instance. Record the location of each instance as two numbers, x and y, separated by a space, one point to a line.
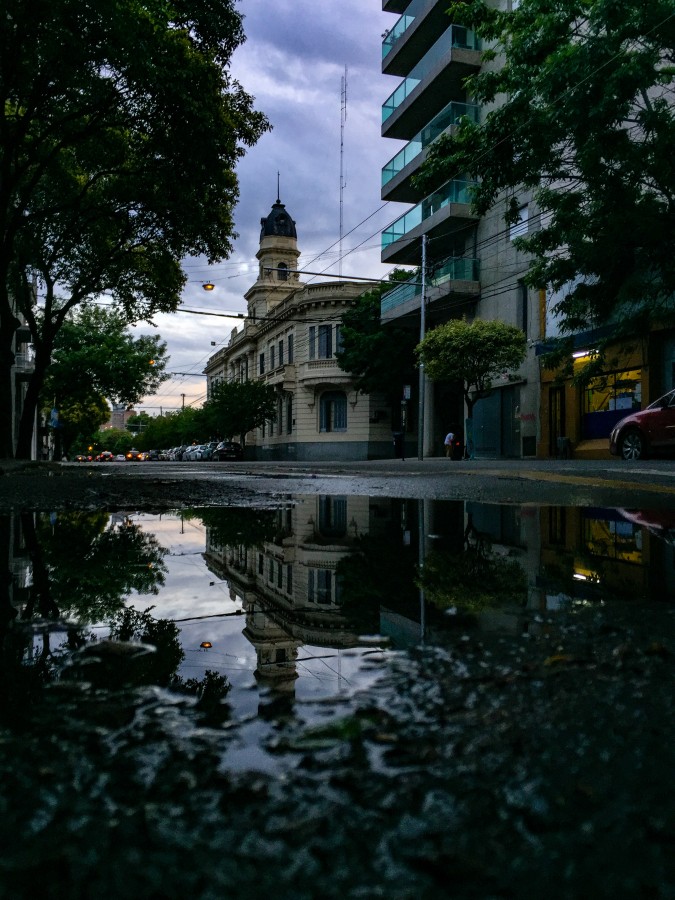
456 36
447 117
457 268
456 191
396 33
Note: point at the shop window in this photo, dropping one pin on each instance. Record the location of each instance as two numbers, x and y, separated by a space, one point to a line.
609 398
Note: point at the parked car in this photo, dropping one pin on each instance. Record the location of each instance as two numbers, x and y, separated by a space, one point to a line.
227 450
134 455
207 450
120 457
153 455
646 432
193 453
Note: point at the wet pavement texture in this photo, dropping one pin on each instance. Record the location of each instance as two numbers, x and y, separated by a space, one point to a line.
333 694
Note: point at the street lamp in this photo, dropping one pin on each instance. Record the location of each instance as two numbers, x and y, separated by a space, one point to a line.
208 286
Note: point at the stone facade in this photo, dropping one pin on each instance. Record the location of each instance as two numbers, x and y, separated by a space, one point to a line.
289 339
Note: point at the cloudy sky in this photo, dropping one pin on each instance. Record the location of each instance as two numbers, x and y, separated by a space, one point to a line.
292 63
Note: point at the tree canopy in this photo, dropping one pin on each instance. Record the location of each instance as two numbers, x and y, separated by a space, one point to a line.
380 357
97 358
580 121
236 407
472 353
121 129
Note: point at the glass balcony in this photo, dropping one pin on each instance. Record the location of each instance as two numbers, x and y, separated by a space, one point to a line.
456 36
457 268
451 115
396 32
456 191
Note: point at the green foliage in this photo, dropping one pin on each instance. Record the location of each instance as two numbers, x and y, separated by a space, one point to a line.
380 357
79 421
173 429
117 440
473 353
92 563
95 354
135 625
585 126
380 573
233 527
473 580
237 407
121 129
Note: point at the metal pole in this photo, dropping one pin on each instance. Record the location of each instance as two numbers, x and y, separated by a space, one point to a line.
423 325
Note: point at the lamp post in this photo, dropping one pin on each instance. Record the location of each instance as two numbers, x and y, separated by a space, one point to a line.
423 325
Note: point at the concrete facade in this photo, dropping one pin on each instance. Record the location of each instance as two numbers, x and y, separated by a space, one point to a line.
474 271
289 340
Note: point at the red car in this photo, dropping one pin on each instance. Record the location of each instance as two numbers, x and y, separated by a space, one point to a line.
647 432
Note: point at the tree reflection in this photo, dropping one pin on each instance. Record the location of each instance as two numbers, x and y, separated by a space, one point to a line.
85 563
380 573
241 527
474 578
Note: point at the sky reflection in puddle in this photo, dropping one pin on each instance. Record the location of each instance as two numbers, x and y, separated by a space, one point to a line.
298 603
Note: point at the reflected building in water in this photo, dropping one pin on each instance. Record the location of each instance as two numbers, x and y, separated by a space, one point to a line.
290 586
602 553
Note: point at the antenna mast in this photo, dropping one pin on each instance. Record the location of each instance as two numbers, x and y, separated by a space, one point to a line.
343 183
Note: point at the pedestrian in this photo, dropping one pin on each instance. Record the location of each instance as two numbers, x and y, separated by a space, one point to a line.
448 442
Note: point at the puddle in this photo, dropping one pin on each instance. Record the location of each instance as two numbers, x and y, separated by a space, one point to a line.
323 646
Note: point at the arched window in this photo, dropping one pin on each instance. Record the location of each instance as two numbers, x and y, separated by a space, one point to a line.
333 411
282 271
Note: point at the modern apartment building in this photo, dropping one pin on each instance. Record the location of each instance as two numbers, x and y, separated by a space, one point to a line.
473 269
289 339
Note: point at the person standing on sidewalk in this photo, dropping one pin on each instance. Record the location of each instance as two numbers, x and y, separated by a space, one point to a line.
448 442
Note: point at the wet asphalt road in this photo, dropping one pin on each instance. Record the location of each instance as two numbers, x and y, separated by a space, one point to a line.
648 484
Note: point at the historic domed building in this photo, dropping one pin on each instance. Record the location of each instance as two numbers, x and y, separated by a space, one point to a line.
289 339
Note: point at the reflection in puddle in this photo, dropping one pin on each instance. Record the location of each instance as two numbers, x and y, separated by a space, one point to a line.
290 602
328 679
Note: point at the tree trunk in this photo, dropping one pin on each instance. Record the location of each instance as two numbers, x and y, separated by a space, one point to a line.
31 401
8 326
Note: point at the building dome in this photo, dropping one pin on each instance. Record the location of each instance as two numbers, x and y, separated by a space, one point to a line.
278 223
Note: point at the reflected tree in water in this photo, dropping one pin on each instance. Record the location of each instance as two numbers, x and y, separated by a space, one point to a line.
380 573
85 563
474 578
229 527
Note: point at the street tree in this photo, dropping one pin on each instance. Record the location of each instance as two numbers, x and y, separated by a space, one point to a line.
380 357
78 422
116 440
584 126
121 129
97 358
236 407
172 429
472 354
